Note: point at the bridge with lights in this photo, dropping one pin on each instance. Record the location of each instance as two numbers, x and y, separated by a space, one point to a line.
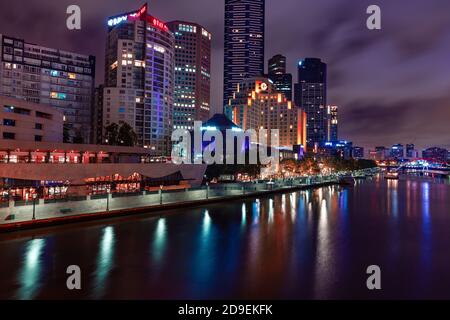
420 166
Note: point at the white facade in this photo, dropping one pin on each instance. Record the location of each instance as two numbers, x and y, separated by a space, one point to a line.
27 121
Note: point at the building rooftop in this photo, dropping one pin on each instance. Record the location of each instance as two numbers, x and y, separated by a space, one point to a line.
221 122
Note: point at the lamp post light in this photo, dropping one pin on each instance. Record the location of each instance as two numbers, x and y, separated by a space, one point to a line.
34 206
107 199
207 190
161 194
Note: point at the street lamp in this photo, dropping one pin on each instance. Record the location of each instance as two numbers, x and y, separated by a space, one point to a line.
107 199
34 206
207 190
160 194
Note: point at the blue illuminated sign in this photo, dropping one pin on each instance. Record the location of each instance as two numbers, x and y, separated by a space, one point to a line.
115 21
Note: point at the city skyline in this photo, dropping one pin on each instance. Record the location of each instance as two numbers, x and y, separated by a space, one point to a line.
395 61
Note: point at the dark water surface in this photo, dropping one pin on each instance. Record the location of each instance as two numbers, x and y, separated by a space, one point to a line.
312 244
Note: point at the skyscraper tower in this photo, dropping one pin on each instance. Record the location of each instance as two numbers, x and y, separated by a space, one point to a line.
244 43
332 123
277 65
192 74
311 96
281 80
139 78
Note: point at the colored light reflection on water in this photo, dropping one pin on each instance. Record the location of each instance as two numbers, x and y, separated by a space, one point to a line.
30 274
305 244
105 261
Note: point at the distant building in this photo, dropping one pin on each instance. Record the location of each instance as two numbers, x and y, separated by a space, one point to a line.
410 148
257 105
244 43
28 121
341 149
435 154
379 154
332 123
192 74
358 152
397 151
281 80
54 77
311 95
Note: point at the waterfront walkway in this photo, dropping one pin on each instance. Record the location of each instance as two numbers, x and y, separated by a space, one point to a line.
24 215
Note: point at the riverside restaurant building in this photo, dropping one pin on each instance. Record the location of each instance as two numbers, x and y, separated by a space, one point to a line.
48 170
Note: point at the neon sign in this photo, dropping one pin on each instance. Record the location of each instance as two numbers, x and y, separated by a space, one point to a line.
119 19
159 24
140 12
115 21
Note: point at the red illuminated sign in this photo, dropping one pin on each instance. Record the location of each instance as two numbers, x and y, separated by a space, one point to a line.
159 24
140 12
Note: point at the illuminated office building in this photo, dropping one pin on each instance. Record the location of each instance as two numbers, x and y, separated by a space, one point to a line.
397 151
244 43
139 78
332 123
192 74
281 80
311 95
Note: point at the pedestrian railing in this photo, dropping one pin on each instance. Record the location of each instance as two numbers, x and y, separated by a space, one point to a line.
20 211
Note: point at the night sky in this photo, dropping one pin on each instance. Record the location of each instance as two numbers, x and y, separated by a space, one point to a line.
392 85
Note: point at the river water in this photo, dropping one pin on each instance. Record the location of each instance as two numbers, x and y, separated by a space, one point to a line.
314 244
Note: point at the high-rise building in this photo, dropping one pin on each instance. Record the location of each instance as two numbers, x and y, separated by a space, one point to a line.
192 74
358 152
139 78
410 148
282 81
311 95
61 79
244 43
397 151
257 105
342 149
435 154
332 123
381 153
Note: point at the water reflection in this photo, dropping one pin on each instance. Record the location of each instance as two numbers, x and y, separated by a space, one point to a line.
392 198
31 274
323 259
426 224
306 244
159 241
105 261
244 215
271 211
